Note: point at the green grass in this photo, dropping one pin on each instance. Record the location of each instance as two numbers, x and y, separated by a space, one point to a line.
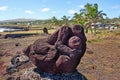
94 40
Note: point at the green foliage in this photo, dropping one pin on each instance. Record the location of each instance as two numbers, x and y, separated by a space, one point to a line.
65 20
88 15
78 18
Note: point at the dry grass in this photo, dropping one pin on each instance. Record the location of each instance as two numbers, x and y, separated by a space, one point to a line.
28 32
102 64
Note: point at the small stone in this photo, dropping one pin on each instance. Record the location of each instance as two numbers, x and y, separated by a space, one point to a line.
17 44
89 52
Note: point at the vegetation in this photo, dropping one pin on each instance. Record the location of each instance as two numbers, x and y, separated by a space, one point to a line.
87 16
92 15
97 61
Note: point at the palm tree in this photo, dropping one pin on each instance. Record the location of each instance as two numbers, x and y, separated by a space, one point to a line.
54 21
92 14
65 20
78 18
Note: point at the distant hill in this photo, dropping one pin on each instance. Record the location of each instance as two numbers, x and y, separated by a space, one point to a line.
18 20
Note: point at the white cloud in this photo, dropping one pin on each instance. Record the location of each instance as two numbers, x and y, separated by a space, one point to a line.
81 6
29 12
116 7
3 8
72 11
45 9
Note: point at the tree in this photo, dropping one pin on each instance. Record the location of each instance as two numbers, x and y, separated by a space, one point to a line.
92 15
54 21
65 20
78 18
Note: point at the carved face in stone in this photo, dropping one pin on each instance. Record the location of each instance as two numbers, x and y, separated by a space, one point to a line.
79 31
75 42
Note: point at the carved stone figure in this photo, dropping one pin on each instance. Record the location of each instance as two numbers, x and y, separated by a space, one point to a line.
61 53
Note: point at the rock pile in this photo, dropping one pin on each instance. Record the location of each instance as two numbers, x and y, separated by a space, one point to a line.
17 61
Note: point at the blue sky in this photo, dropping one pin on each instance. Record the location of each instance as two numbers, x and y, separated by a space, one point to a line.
45 9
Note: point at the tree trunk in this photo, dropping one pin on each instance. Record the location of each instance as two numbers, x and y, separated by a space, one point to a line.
86 30
91 30
95 30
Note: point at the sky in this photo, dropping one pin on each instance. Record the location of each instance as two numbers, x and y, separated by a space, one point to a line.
45 9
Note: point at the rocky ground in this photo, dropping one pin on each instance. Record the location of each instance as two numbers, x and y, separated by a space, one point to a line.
100 62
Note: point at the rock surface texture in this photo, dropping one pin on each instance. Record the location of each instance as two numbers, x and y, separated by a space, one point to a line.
36 74
58 57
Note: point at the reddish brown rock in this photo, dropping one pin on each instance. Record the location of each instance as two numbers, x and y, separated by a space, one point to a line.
64 34
61 53
45 30
78 30
53 38
70 54
43 56
75 42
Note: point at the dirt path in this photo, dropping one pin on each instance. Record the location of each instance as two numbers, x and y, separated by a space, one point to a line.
102 61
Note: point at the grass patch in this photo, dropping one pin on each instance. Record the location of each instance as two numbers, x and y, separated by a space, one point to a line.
94 40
